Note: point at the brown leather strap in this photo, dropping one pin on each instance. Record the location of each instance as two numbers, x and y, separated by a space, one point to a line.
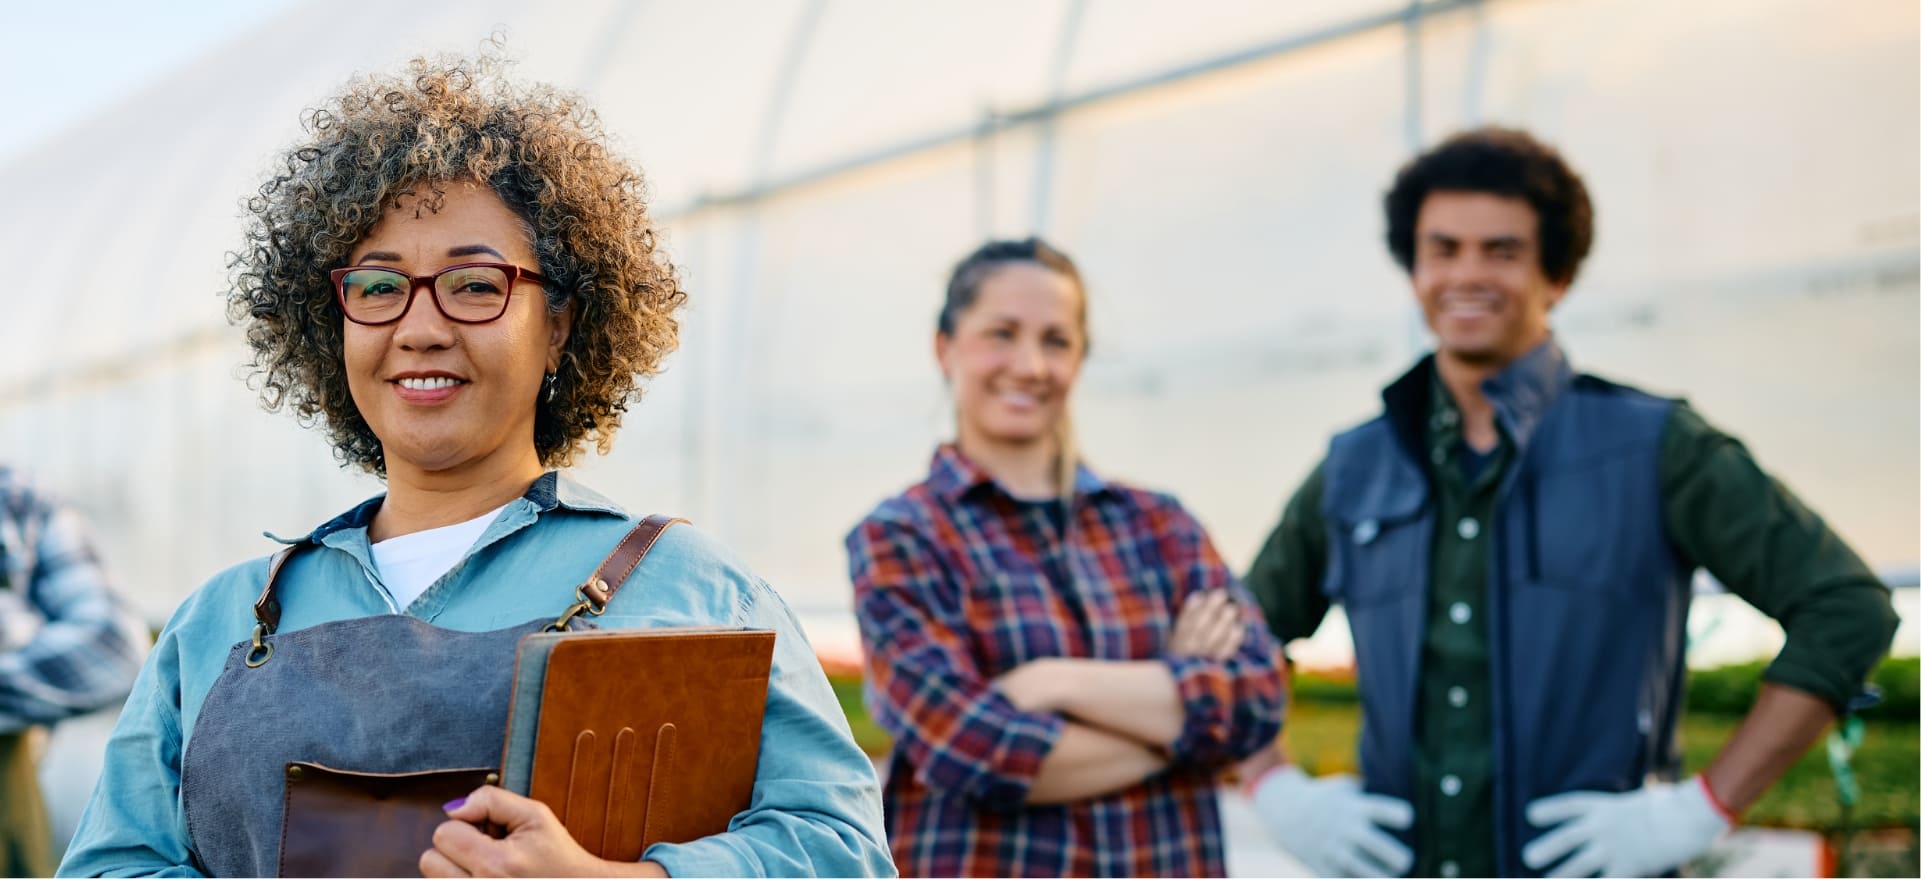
266 608
620 564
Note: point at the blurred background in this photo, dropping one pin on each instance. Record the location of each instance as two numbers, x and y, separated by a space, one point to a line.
1215 167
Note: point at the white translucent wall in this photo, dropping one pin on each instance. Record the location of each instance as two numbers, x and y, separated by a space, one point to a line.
820 165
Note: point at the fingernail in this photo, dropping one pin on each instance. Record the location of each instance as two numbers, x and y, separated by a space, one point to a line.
451 805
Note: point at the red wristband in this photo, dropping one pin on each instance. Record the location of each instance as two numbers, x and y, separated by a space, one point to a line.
1720 807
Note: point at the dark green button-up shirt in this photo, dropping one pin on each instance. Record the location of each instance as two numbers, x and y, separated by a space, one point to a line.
1721 512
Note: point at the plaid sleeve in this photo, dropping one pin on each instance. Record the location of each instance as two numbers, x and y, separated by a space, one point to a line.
959 733
1233 706
87 648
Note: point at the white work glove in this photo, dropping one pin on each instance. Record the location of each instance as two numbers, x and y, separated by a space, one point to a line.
1333 826
1639 833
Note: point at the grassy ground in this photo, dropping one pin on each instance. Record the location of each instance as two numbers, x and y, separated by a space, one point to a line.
867 734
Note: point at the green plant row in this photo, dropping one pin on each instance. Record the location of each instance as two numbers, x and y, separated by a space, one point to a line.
1731 689
1728 690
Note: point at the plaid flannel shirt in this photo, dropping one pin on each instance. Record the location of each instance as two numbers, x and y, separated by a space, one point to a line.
955 583
67 643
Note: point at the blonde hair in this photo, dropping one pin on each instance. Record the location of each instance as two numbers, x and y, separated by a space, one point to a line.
1069 456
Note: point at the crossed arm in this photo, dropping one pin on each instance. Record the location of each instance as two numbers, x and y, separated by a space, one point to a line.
1057 729
1125 715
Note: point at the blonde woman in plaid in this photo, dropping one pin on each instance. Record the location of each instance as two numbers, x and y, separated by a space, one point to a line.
1063 661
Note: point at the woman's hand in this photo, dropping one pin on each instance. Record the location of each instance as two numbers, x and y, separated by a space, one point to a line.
536 844
1209 625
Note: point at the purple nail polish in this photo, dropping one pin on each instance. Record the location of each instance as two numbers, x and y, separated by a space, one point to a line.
451 805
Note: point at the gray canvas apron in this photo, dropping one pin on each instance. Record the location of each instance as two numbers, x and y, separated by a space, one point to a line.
386 694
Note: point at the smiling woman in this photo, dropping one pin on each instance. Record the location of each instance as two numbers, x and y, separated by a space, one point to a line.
456 279
1063 662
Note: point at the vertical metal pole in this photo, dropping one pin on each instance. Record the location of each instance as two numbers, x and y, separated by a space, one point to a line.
740 425
1411 131
984 146
1044 136
694 456
1411 28
1474 91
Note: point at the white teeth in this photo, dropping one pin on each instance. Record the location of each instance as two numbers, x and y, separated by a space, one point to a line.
429 384
1466 299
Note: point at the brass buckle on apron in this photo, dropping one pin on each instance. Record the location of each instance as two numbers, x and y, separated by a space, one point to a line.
585 604
262 648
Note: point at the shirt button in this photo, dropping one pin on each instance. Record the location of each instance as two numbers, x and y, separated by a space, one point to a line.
1457 696
1460 613
1449 869
1439 456
1450 785
1468 529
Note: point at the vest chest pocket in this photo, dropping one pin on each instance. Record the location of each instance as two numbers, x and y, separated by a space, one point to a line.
1377 546
1591 526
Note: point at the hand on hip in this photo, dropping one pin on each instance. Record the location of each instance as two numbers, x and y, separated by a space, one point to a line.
1333 826
1638 833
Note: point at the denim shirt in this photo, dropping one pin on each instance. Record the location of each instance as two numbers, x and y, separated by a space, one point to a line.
816 805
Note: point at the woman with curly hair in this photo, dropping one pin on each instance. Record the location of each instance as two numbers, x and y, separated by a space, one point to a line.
460 282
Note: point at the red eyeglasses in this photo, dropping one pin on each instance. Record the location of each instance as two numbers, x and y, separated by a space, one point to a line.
469 293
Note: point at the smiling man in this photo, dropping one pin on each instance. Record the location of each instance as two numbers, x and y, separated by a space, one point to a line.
1513 544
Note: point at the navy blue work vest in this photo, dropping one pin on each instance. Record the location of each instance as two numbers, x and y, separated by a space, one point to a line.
1587 600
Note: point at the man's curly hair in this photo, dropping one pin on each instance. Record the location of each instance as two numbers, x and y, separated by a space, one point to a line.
1499 161
544 153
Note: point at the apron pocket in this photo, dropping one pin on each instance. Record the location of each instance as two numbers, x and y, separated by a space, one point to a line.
342 823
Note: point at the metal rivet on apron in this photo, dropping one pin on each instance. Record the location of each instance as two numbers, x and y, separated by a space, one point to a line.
493 778
293 772
1366 531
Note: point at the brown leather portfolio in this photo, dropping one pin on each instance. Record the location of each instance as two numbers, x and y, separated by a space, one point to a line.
638 736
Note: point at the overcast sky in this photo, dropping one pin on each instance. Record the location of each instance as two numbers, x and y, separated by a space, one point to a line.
67 59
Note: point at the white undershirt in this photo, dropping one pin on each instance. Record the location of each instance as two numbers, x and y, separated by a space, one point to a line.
410 563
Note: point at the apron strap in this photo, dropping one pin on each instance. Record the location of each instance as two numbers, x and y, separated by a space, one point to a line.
596 592
266 608
620 564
